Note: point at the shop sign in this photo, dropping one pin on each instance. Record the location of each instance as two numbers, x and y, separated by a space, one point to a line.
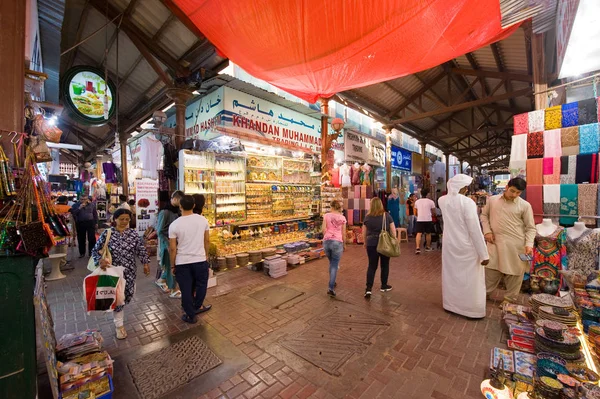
401 158
146 204
87 96
361 148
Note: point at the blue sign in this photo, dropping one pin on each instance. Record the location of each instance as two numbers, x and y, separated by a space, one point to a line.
401 158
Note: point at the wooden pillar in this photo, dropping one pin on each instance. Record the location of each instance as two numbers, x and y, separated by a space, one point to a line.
325 142
388 158
124 165
447 167
540 78
423 160
180 97
12 70
460 164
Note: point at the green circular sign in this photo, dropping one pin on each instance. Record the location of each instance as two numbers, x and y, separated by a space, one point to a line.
87 96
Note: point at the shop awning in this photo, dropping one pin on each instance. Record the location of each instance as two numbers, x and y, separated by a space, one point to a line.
316 48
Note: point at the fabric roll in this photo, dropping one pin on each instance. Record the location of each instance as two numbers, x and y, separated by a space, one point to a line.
552 143
535 144
570 114
536 121
518 151
551 170
521 123
552 209
583 173
587 202
356 216
553 118
569 140
535 171
535 198
552 193
571 165
588 111
367 204
568 204
518 168
589 140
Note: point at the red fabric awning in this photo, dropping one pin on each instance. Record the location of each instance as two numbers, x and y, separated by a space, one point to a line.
314 48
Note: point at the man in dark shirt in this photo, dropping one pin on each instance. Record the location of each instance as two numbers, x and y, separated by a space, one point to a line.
410 212
86 221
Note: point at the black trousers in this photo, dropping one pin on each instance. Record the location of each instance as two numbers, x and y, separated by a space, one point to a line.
192 276
86 230
374 258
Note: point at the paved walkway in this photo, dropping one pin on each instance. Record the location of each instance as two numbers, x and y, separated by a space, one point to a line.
424 353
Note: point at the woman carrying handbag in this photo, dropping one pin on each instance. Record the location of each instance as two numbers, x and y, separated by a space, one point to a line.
376 221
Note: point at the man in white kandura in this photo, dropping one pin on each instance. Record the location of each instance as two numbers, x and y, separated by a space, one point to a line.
464 252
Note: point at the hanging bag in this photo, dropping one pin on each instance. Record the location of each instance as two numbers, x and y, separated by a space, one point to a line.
103 290
388 244
104 254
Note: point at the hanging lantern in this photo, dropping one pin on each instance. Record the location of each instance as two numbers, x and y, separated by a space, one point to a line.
337 124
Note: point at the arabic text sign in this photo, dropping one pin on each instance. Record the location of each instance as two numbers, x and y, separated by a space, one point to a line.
401 158
359 147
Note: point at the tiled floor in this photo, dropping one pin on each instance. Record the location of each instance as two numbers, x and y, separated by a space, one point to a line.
425 353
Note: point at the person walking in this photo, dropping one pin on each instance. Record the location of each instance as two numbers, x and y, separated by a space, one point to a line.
410 214
393 206
334 241
424 211
372 226
124 245
166 280
464 253
86 222
509 230
123 204
188 246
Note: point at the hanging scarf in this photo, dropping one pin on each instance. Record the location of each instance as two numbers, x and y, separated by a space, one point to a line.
553 118
534 171
568 204
570 114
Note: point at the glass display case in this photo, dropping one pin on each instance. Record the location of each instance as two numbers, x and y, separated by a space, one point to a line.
296 171
197 176
230 185
258 202
263 169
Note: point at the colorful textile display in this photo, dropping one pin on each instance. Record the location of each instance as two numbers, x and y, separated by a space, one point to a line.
569 140
535 144
568 168
521 123
518 168
568 204
534 197
534 171
551 171
583 173
550 254
553 118
589 141
588 111
536 121
552 143
552 201
587 202
570 115
598 207
583 252
518 150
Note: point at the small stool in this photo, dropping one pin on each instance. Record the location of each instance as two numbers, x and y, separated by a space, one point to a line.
402 234
54 262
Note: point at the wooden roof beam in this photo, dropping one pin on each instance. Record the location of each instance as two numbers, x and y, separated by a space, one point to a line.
500 65
415 95
493 74
458 107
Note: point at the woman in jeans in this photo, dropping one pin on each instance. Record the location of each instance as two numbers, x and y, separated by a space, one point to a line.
334 243
372 226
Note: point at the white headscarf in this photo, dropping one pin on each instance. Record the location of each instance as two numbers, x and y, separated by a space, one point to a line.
457 182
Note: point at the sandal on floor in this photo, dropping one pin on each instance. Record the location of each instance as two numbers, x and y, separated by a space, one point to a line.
203 308
163 286
175 295
121 333
189 319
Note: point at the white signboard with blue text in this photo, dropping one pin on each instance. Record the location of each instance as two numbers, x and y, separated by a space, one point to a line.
401 158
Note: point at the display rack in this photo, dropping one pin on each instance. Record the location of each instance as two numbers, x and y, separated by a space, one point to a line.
328 194
197 176
230 189
258 202
263 169
296 171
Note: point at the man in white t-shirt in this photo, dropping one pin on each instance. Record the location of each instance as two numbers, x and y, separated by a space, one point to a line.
188 243
424 210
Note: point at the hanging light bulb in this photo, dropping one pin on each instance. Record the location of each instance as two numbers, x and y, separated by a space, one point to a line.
494 387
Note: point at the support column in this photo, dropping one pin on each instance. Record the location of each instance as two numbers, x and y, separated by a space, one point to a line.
460 165
388 158
423 160
540 79
325 142
180 97
447 167
124 165
12 70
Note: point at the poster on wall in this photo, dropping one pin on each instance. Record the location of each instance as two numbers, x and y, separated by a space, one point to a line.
361 148
146 204
88 97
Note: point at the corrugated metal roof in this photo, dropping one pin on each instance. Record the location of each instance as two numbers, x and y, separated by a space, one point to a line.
485 58
149 15
514 52
177 39
50 15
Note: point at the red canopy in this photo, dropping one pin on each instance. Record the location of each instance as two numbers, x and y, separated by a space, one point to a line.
314 48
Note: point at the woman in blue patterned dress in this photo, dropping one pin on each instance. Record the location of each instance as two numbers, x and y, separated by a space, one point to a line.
124 245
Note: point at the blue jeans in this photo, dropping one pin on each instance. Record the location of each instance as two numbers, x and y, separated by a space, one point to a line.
333 250
192 276
412 225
